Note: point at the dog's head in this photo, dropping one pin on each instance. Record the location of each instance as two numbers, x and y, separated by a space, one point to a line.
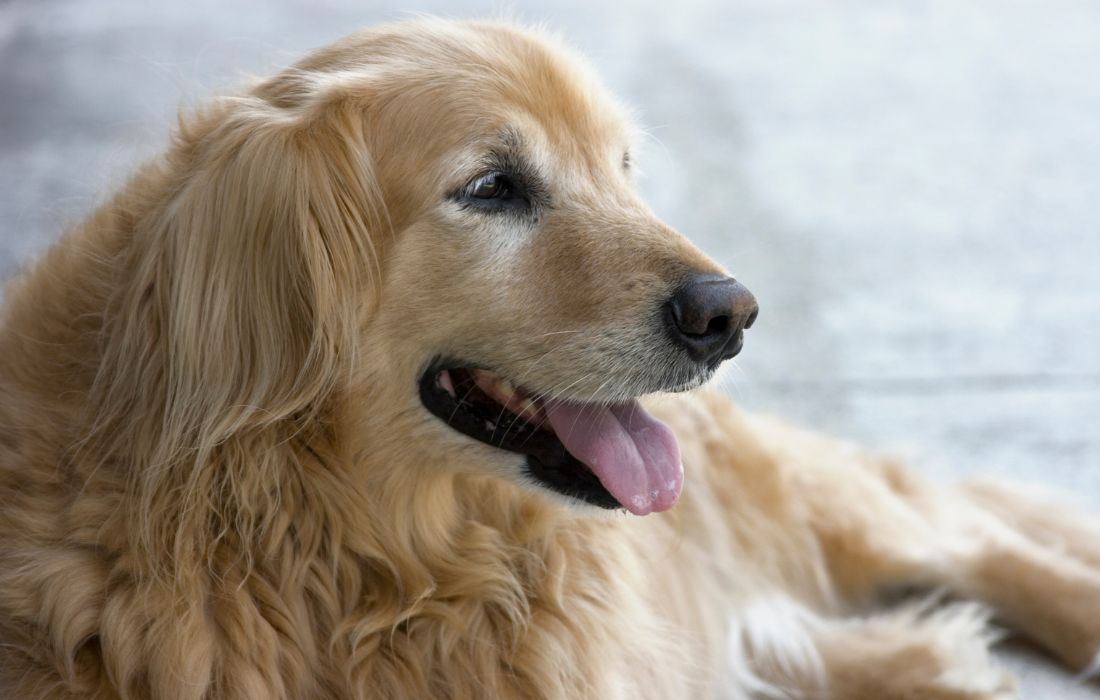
465 193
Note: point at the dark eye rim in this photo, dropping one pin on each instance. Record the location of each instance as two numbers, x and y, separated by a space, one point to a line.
511 194
504 186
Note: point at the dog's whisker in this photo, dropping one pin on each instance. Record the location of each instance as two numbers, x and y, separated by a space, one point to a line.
545 335
459 402
551 396
548 397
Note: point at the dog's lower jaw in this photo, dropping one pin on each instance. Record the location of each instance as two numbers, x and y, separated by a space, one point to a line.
570 478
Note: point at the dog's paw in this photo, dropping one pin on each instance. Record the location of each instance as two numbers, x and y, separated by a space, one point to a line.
920 651
961 644
1091 673
1000 685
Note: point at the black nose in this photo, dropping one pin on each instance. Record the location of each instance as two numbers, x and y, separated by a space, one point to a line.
707 317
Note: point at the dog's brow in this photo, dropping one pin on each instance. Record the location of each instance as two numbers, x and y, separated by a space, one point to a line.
510 153
512 148
511 139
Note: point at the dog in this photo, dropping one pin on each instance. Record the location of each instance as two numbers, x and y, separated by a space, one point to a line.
345 396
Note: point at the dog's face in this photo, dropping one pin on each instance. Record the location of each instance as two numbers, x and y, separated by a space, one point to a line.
527 296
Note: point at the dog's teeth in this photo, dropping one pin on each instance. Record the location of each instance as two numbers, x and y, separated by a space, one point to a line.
505 388
444 380
490 425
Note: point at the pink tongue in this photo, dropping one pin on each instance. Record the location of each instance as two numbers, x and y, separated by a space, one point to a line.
634 455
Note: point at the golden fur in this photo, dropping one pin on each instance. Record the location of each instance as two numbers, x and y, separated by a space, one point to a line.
217 481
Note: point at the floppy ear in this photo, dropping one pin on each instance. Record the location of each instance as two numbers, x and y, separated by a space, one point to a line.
271 255
247 281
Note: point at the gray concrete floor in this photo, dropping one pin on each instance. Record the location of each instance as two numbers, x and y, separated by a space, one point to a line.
909 187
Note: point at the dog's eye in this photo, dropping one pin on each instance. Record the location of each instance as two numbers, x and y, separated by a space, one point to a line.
491 186
496 191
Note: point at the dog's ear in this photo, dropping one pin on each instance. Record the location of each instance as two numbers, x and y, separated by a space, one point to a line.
247 278
269 265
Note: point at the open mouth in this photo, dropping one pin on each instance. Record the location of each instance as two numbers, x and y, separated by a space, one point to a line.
610 455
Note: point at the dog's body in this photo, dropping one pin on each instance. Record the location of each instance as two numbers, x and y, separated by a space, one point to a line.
222 475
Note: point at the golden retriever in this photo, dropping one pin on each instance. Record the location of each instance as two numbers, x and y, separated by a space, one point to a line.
338 398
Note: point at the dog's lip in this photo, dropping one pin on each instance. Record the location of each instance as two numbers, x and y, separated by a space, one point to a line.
502 407
517 403
606 453
449 390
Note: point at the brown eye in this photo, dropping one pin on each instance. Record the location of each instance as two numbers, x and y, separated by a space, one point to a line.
491 186
496 191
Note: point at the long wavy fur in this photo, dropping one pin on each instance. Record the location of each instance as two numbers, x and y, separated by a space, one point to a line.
217 480
195 339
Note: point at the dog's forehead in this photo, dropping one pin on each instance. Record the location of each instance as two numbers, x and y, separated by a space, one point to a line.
447 95
535 97
556 92
479 80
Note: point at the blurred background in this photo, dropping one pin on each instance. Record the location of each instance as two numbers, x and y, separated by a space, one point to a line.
910 188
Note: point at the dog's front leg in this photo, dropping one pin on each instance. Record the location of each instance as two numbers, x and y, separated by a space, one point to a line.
882 526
